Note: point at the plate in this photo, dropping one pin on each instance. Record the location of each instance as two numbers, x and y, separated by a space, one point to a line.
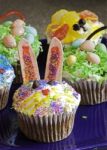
89 132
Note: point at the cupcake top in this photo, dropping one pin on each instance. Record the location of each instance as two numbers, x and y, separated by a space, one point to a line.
10 35
6 72
45 98
85 60
69 26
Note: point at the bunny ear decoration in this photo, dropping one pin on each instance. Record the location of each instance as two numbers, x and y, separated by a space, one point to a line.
29 67
54 62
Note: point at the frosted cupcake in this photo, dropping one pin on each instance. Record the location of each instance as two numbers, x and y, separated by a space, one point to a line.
70 26
46 108
49 110
6 79
11 32
85 67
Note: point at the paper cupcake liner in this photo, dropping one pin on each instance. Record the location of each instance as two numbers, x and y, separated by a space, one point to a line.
47 128
4 94
91 92
18 74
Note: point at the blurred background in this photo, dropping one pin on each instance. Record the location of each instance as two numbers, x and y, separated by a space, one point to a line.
38 12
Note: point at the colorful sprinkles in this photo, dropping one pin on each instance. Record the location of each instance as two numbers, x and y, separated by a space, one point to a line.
29 69
2 70
54 63
47 99
6 72
24 92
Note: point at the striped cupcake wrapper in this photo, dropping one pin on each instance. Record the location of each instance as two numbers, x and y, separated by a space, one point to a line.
47 128
91 92
4 94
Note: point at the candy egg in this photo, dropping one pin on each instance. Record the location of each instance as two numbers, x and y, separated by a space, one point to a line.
31 30
93 58
30 38
9 41
18 23
18 31
87 46
77 43
101 47
71 60
7 23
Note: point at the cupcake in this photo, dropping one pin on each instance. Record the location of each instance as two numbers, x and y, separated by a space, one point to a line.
71 26
11 32
46 108
6 79
85 68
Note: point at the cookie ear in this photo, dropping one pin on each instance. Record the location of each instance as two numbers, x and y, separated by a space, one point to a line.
54 62
29 67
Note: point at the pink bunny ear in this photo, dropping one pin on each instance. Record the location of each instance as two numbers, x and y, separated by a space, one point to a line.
12 12
54 62
29 67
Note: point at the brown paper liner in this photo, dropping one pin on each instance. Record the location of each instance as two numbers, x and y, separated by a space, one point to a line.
18 74
4 94
47 128
91 92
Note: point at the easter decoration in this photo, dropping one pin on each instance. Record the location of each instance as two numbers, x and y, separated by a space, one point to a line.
46 108
73 27
11 32
87 73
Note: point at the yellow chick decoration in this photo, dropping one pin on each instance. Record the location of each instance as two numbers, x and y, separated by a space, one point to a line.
69 26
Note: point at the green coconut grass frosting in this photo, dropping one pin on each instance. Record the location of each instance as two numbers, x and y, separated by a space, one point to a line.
30 33
82 68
